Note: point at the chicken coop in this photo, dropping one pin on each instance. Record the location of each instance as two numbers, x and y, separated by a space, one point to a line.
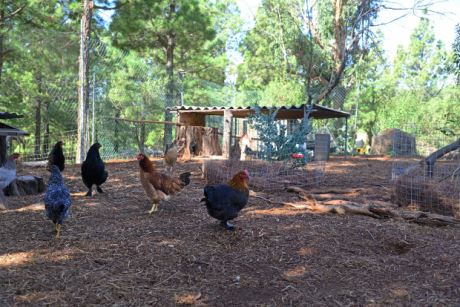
226 135
8 131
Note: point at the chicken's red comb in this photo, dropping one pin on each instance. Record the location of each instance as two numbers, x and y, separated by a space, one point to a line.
246 172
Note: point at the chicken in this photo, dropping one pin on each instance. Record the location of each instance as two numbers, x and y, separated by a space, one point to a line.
172 153
193 147
56 157
170 157
159 186
7 175
225 201
93 170
57 200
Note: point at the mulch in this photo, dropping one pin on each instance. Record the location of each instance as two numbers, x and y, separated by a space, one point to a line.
112 252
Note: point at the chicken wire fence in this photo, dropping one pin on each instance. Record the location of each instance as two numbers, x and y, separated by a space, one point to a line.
425 173
122 85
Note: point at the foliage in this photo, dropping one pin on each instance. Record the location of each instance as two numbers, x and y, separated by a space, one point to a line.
278 143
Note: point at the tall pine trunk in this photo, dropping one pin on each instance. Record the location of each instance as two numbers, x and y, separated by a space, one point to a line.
2 23
38 125
170 87
46 135
83 93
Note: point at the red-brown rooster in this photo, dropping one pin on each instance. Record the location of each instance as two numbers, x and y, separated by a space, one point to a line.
159 186
225 201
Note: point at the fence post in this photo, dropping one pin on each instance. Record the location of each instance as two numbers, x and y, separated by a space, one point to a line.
227 142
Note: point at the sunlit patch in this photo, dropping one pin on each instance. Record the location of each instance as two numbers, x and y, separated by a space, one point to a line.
276 211
78 194
169 243
32 207
187 298
304 251
39 296
298 271
15 259
399 292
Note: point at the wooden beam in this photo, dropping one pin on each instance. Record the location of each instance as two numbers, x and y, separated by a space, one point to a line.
149 121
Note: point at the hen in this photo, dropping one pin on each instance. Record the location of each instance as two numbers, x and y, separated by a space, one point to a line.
57 200
170 157
93 170
7 175
159 186
56 157
225 201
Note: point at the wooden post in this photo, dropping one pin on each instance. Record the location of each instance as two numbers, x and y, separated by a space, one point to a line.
83 94
227 140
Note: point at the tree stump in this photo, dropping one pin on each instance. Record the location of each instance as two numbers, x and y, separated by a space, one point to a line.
25 185
205 139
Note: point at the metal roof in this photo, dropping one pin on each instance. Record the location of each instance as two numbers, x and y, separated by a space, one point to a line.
6 130
7 115
285 112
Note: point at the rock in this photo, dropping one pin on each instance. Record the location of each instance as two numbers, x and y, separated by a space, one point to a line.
394 142
25 185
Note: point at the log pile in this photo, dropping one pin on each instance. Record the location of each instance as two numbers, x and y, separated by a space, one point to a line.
199 141
25 185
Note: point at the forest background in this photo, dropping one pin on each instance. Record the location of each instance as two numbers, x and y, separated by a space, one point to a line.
153 54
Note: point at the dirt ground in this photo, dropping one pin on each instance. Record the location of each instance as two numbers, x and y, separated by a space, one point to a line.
113 253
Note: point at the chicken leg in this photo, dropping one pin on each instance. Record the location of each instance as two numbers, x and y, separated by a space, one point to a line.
99 189
58 231
90 192
154 207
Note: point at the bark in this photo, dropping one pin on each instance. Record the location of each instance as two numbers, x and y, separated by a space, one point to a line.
2 26
169 48
205 138
431 159
46 136
3 153
38 121
83 93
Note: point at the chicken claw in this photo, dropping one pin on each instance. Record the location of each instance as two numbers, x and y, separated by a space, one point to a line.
228 225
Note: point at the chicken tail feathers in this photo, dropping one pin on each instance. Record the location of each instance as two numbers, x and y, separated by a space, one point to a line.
185 178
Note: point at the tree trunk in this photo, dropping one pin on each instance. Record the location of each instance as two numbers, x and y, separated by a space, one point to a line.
83 93
46 136
170 87
2 22
431 159
116 133
205 138
38 127
3 153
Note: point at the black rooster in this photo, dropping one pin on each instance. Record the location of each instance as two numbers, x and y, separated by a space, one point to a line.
93 170
56 157
225 201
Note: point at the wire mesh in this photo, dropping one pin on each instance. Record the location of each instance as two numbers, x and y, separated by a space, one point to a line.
426 171
294 168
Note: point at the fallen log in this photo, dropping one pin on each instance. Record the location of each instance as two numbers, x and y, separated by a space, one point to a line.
373 210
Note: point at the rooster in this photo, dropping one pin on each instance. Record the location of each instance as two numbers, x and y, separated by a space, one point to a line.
159 186
7 175
225 201
57 200
93 170
56 157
